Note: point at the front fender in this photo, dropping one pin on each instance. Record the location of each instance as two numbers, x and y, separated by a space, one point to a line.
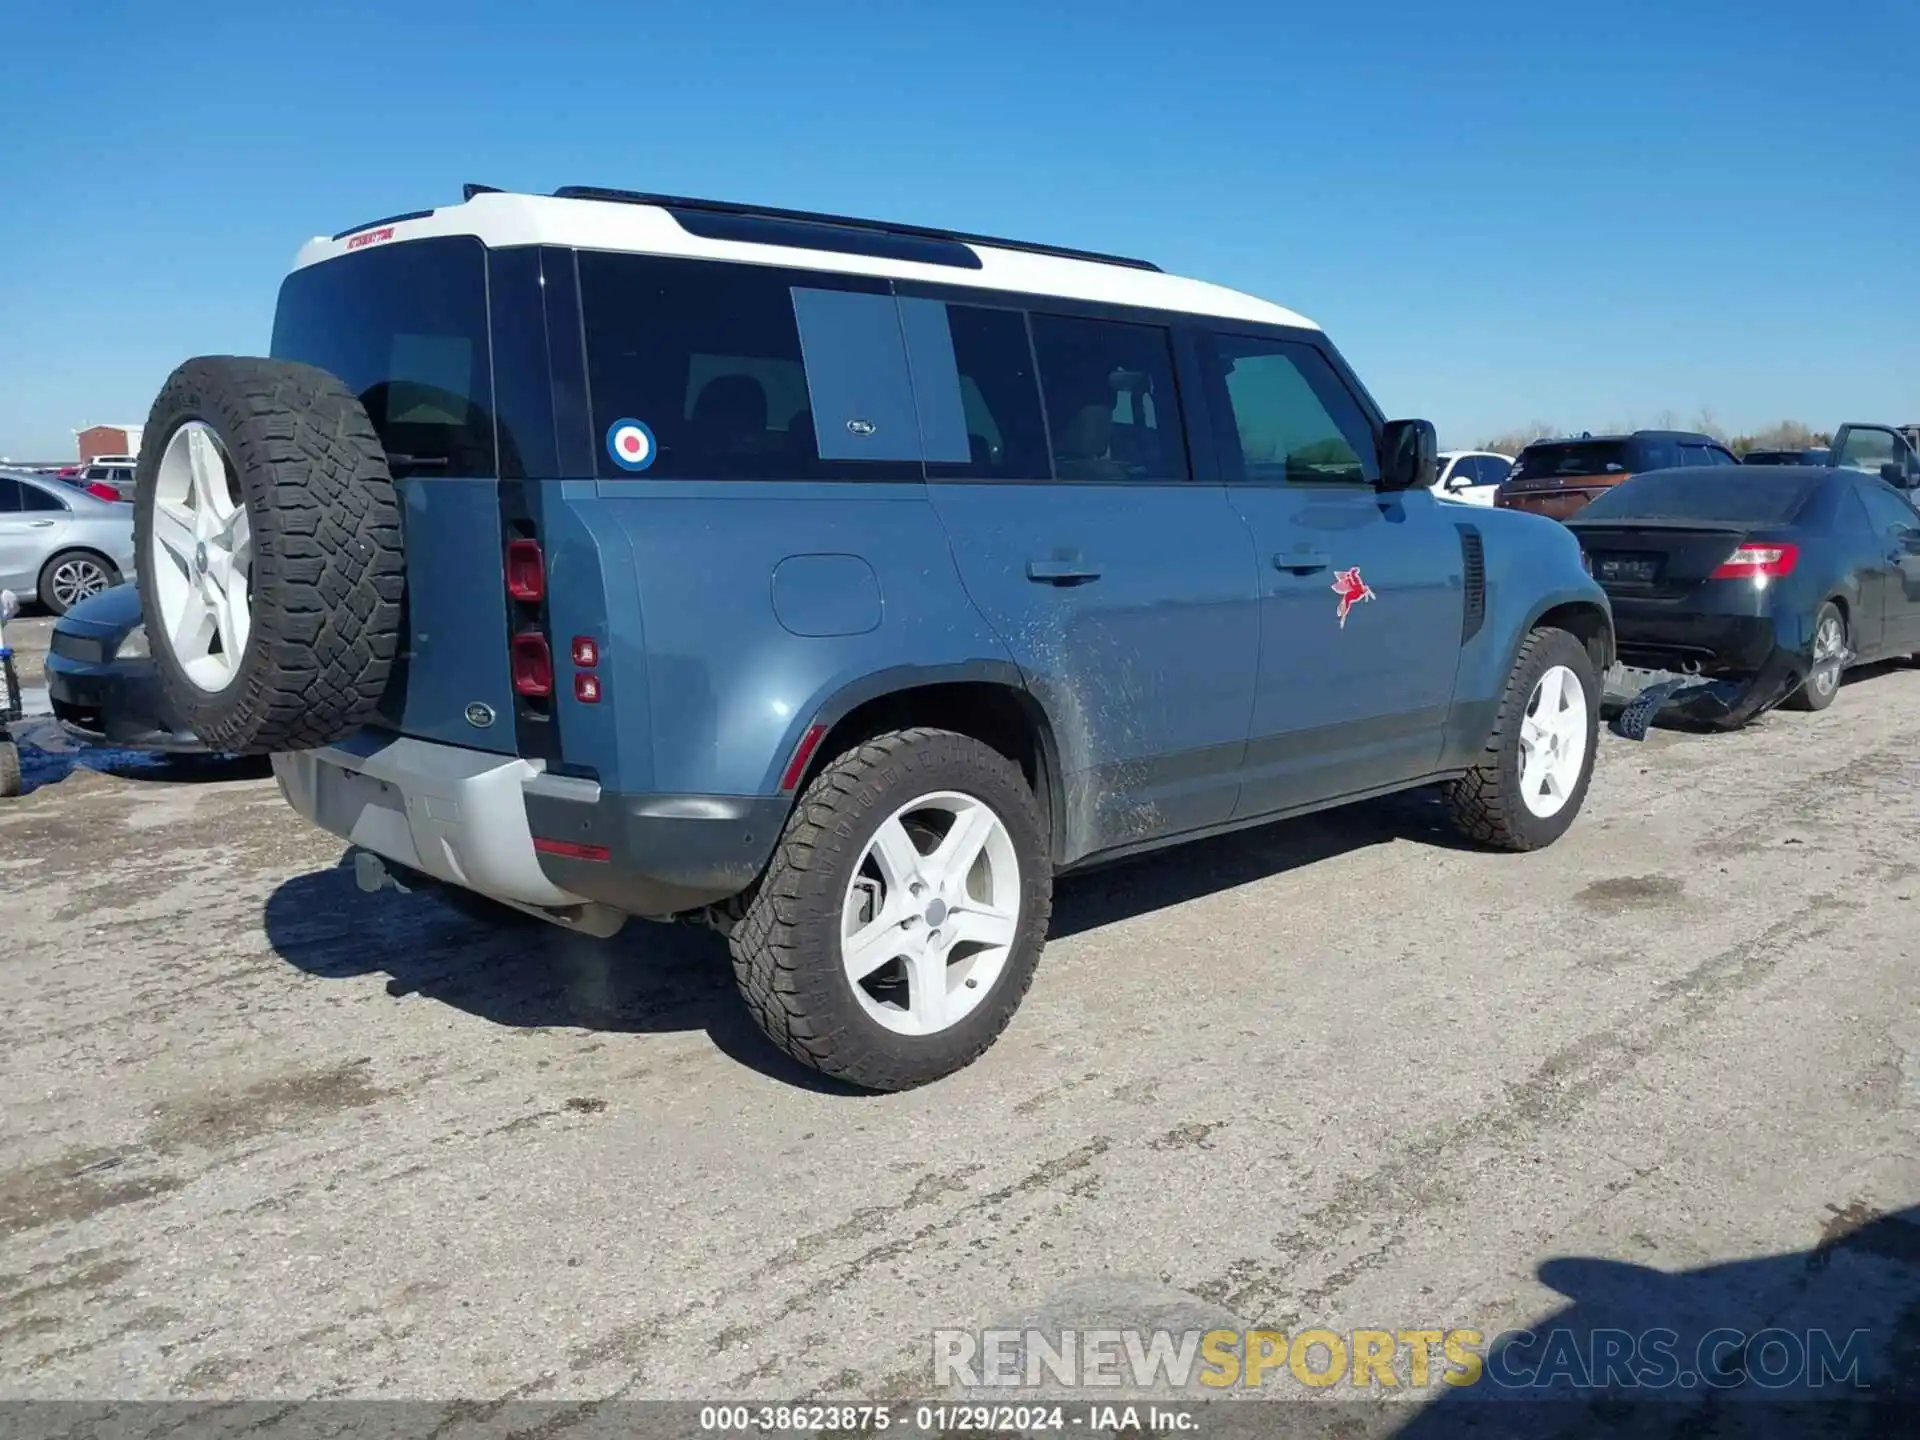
1533 568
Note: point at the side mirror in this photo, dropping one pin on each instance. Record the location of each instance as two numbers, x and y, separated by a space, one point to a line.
1895 474
1409 455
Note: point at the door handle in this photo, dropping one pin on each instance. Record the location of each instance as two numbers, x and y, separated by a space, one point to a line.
1301 562
1062 572
40 524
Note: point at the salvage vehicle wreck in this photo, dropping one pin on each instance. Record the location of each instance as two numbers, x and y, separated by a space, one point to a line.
1737 590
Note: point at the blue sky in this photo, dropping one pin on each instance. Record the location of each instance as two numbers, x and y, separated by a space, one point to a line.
1578 213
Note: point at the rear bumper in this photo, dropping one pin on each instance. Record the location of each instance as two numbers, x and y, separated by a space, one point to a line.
1654 636
501 826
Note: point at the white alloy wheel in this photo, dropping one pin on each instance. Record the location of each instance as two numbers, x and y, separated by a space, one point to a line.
930 915
201 557
1553 742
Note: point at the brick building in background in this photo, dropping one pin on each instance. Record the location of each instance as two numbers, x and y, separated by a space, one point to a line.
97 440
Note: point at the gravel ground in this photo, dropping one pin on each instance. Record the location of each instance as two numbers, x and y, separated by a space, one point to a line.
263 1136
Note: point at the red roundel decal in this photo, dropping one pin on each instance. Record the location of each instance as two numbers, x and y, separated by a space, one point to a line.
631 444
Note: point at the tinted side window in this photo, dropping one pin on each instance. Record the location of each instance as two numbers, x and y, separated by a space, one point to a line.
9 495
708 357
1113 410
1005 434
32 497
405 326
1886 509
1718 456
1493 470
1292 418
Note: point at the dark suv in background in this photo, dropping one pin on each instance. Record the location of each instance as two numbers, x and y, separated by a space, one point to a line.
1560 477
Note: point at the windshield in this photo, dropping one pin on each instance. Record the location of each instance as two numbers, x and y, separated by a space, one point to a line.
1718 496
1573 457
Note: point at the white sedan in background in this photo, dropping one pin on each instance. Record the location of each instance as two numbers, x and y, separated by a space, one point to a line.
58 544
1470 477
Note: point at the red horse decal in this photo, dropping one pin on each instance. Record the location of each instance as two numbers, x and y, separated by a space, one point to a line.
1351 589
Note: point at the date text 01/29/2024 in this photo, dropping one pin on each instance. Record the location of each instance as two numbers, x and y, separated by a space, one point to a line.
944 1418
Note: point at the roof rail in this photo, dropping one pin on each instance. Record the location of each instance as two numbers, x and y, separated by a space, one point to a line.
809 217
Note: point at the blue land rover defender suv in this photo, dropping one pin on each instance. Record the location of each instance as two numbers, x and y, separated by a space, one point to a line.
834 582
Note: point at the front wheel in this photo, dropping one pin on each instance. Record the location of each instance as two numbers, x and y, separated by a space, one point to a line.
897 929
1532 777
1816 692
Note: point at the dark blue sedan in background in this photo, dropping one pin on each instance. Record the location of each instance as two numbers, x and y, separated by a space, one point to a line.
101 680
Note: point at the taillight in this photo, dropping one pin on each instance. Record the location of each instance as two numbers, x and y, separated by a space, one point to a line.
586 689
586 652
526 571
532 664
1752 561
100 490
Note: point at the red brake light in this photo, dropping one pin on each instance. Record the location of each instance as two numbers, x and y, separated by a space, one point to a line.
1752 561
100 490
532 664
586 653
526 571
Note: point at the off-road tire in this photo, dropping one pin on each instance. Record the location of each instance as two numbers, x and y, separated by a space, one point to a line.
1485 803
1806 697
786 945
10 781
327 569
49 601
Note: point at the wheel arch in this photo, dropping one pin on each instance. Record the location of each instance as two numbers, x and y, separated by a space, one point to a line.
1588 621
988 700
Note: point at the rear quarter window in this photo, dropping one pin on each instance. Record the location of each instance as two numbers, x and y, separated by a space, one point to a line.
405 328
709 357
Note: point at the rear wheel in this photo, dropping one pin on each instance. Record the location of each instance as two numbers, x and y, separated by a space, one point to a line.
899 924
73 576
1816 692
1532 778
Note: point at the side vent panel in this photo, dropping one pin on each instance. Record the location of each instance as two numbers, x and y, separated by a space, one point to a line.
1474 560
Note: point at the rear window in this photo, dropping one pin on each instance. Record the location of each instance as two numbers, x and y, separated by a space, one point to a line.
1717 495
1574 458
405 327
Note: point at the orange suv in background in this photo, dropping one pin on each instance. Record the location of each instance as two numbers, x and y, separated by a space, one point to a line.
1560 477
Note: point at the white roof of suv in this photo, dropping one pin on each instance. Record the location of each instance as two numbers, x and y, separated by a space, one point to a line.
500 219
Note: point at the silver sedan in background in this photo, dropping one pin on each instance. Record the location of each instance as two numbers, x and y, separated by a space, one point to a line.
58 544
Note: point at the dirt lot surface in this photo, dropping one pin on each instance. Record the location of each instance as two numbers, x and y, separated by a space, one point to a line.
264 1136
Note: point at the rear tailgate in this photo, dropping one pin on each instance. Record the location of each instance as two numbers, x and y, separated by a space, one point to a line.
405 325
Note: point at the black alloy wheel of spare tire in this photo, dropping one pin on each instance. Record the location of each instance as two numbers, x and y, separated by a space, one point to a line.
270 563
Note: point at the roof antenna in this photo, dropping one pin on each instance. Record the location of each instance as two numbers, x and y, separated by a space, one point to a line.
468 191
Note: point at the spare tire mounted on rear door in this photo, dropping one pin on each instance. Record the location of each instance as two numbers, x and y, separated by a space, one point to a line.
267 532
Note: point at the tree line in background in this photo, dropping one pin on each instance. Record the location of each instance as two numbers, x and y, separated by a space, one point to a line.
1784 435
